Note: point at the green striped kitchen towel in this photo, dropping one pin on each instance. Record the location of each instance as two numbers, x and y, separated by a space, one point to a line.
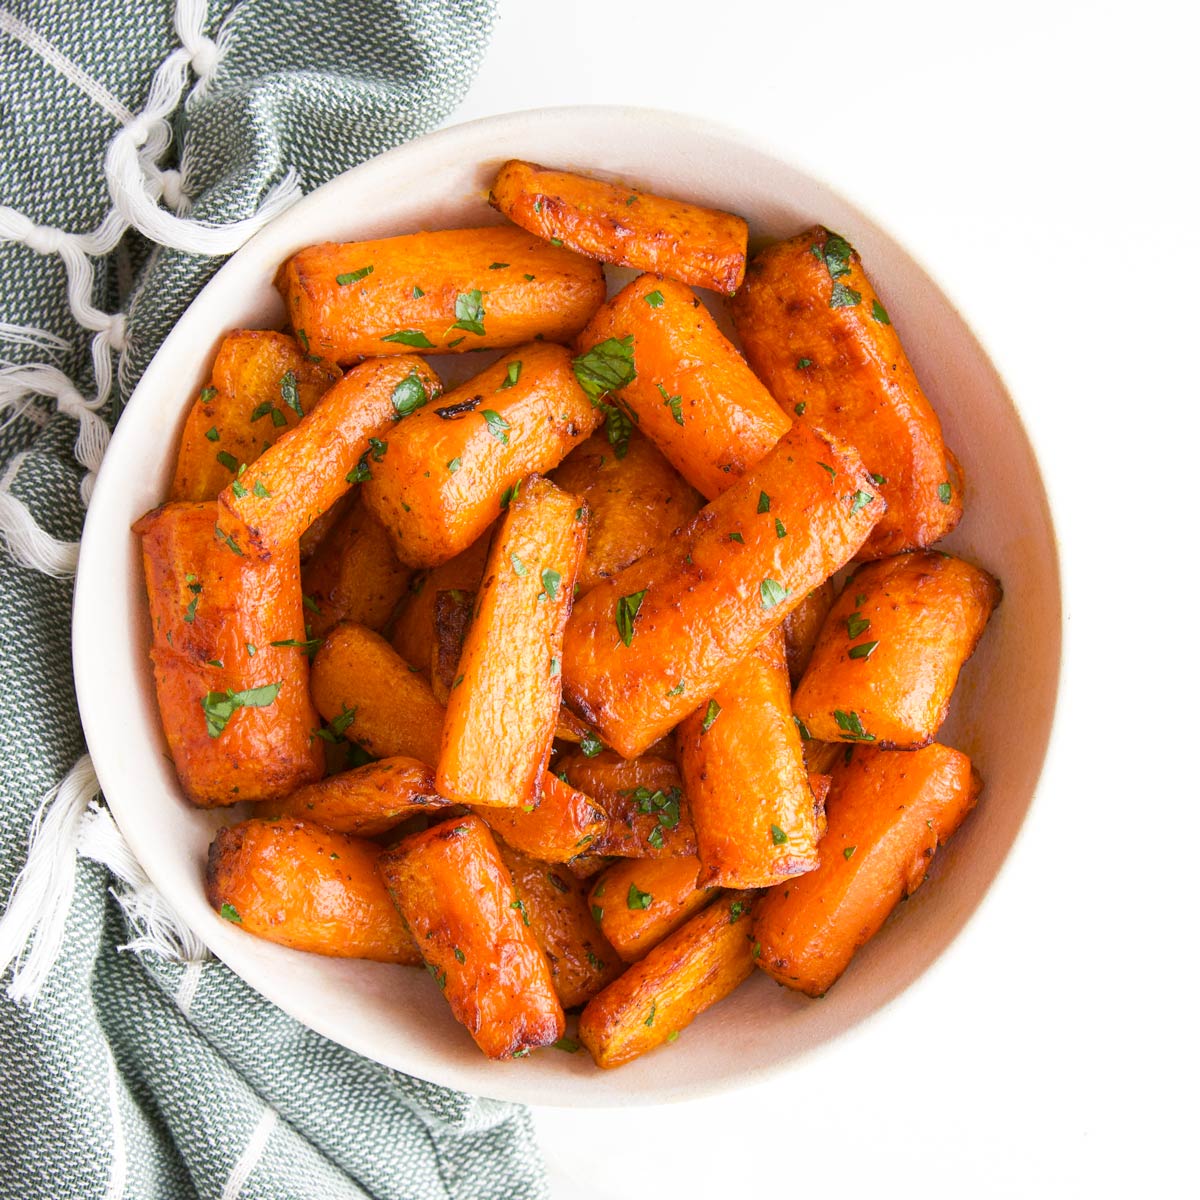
140 141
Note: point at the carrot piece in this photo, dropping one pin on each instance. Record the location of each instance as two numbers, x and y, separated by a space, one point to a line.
450 471
367 800
452 289
890 650
300 885
743 770
581 960
503 705
232 687
312 538
692 393
648 815
888 812
452 614
413 632
699 964
816 334
271 504
556 826
802 626
242 410
702 246
638 902
456 896
381 703
635 502
644 648
354 575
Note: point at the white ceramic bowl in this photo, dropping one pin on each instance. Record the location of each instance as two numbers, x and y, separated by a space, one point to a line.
1001 715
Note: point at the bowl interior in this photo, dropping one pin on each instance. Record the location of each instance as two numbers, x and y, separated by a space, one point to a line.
1001 714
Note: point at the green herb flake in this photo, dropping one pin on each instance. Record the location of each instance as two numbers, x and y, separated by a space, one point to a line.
497 266
737 537
656 837
654 299
880 313
803 364
556 241
519 905
550 581
260 490
227 461
417 292
827 467
653 1011
861 500
865 650
800 725
290 392
409 337
848 853
231 914
672 1035
860 600
597 913
851 727
517 565
627 609
857 624
458 954
780 531
843 296
207 394
764 502
251 649
778 837
439 976
674 403
637 899
468 308
756 950
944 493
879 480
378 448
607 367
590 744
213 435
771 592
453 465
230 541
218 707
354 276
529 278
510 494
736 909
510 376
359 473
498 427
310 647
409 395
555 668
677 690
338 726
711 713
312 605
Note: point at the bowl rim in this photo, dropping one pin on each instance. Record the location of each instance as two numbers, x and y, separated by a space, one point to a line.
89 689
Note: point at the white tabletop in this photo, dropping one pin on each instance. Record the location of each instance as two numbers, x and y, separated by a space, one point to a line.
1039 159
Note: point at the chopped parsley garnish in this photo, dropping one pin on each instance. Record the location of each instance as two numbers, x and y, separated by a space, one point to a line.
290 393
338 726
498 427
312 605
260 490
851 727
229 541
207 394
879 480
843 296
849 852
230 913
637 898
310 647
656 838
737 537
944 493
359 473
711 713
417 292
597 913
517 565
497 266
468 308
378 448
674 403
440 976
409 337
590 744
453 465
879 313
800 725
736 909
800 408
227 461
804 364
510 494
354 276
863 651
664 805
861 500
654 299
780 531
510 376
771 592
519 905
218 707
213 435
857 624
555 667
677 690
650 1019
550 581
627 610
458 954
764 502
409 395
778 837
605 368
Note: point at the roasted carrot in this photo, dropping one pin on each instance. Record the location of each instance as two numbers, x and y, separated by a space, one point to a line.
232 684
413 632
503 705
743 770
453 612
581 960
635 502
645 648
637 902
261 384
456 896
692 393
626 226
556 826
354 575
298 884
337 444
890 650
367 800
888 812
699 964
451 470
817 335
802 626
452 289
381 703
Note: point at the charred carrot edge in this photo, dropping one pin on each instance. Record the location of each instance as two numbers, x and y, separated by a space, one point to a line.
627 226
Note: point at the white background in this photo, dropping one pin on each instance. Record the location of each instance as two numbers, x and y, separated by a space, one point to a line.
1039 159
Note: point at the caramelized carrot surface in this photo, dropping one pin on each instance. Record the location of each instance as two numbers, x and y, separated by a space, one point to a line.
888 812
503 706
448 290
692 393
229 665
890 650
557 825
311 467
262 382
743 770
645 648
802 626
701 246
296 883
456 896
817 335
